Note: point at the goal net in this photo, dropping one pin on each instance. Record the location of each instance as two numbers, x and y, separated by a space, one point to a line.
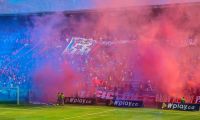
9 95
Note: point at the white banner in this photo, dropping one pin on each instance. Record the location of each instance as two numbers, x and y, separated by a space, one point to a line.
197 99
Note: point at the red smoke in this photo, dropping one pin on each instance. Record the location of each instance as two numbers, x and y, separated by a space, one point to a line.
162 41
49 80
165 56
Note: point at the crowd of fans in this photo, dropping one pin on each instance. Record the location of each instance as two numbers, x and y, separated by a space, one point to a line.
15 60
108 71
107 67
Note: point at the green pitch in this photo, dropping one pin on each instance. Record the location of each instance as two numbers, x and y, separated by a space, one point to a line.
75 112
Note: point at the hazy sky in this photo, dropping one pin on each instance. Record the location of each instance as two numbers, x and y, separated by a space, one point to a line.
27 6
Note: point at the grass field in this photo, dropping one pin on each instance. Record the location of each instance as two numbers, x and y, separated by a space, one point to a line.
75 112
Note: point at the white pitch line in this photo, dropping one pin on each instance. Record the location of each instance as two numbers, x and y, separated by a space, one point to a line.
88 114
84 107
18 109
13 109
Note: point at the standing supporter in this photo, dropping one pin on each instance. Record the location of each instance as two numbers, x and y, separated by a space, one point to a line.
183 100
62 98
58 98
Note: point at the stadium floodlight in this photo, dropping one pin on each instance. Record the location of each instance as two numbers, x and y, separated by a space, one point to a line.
10 95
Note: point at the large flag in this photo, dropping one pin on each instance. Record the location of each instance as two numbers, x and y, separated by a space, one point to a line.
79 46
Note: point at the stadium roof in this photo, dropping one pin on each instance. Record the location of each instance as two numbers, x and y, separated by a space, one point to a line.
35 6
